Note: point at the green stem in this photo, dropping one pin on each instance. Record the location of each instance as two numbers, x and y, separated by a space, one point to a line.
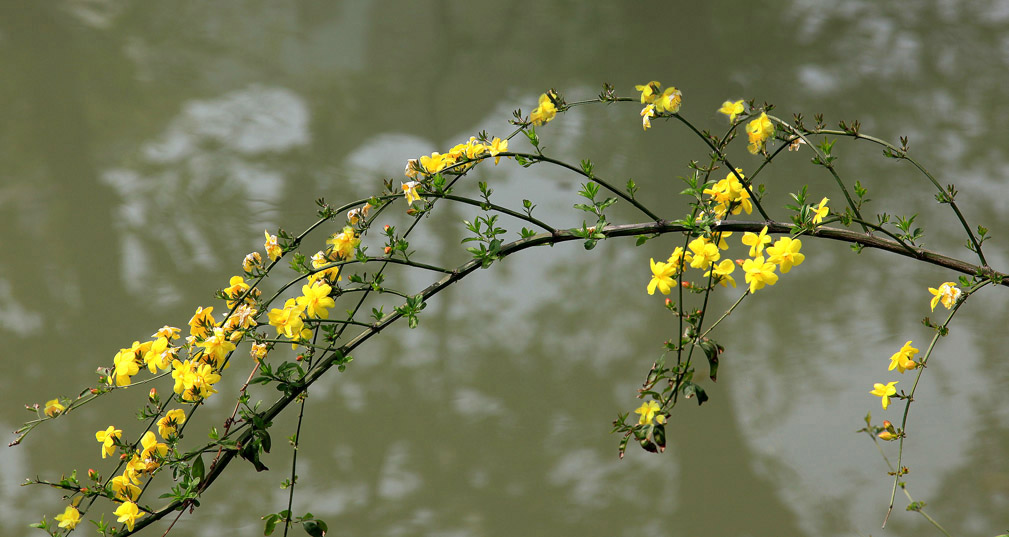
830 167
726 314
903 155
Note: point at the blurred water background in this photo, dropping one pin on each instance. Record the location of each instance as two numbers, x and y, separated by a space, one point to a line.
145 147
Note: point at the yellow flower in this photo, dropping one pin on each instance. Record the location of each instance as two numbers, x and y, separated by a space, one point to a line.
216 347
785 253
169 332
168 425
678 257
947 293
70 518
649 91
344 243
315 300
722 235
704 252
125 366
647 113
123 488
202 322
759 273
756 242
732 109
243 317
820 211
180 371
201 383
545 112
497 145
355 215
288 320
153 450
411 168
271 246
434 163
730 192
236 288
410 191
473 148
884 392
662 277
160 356
759 131
903 359
54 408
108 439
258 351
252 261
128 512
330 275
669 101
649 411
723 272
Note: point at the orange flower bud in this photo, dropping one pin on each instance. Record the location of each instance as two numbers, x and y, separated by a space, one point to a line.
387 250
386 228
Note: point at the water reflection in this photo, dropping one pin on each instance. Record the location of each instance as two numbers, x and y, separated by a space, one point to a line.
216 152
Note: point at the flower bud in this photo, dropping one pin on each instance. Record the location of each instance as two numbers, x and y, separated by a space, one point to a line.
152 396
386 228
387 250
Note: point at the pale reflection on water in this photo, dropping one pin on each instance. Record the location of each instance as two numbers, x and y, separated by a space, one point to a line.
177 135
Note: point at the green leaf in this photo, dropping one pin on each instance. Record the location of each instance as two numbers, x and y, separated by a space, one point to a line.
648 445
315 528
198 469
659 435
711 351
691 390
271 523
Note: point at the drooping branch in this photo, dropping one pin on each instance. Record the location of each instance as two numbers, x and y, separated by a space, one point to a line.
543 239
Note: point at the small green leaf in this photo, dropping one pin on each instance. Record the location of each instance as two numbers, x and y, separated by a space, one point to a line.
198 469
271 524
315 528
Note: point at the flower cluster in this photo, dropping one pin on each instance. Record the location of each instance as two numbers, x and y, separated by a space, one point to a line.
460 158
542 114
465 153
729 195
759 131
704 252
207 349
658 101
